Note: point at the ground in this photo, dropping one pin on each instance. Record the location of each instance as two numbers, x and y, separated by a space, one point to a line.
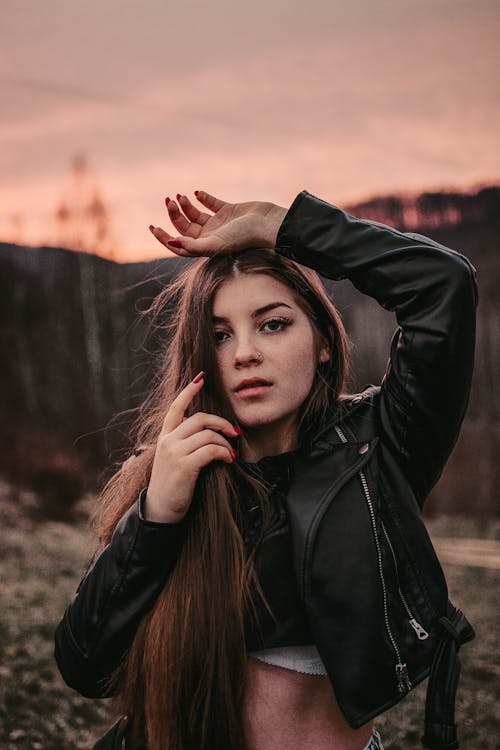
42 562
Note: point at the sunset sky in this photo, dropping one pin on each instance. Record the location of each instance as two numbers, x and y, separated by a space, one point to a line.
246 100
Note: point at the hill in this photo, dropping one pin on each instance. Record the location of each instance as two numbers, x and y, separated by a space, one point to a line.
77 353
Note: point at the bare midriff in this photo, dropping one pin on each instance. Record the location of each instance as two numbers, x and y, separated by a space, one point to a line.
287 709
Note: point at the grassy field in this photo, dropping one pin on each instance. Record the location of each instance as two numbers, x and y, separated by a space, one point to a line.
40 566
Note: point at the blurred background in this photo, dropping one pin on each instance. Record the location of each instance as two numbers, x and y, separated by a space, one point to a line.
389 110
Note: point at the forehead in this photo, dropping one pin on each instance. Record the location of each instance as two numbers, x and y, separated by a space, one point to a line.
250 291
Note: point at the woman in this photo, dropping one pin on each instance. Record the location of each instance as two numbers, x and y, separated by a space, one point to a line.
284 594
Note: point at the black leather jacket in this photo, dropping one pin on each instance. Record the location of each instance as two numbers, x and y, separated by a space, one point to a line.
371 584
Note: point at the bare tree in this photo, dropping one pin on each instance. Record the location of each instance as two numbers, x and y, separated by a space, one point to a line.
82 218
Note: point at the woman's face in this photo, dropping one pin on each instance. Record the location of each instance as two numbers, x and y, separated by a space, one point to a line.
261 332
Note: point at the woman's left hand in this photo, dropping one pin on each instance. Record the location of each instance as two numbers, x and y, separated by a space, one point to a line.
230 226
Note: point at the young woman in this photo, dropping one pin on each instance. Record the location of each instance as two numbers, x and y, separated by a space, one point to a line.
264 579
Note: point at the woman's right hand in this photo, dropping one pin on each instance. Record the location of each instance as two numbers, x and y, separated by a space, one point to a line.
185 445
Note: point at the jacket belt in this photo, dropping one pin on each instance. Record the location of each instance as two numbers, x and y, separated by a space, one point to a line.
440 727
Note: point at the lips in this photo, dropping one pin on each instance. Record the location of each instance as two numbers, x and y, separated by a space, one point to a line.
251 383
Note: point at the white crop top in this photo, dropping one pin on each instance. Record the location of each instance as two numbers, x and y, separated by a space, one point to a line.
305 659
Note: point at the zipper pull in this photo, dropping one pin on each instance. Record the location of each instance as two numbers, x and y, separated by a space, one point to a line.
421 632
404 684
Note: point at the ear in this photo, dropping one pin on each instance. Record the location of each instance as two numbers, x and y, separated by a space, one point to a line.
324 354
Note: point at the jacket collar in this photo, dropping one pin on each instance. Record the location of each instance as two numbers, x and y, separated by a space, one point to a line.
354 416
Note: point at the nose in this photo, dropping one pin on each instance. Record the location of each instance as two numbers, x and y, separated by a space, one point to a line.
246 353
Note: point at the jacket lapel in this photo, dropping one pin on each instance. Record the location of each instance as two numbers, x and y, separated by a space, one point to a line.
317 478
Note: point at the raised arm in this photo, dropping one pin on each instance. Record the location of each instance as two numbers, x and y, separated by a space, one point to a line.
433 292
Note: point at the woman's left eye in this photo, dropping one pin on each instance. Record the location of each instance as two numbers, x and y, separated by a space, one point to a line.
277 324
273 325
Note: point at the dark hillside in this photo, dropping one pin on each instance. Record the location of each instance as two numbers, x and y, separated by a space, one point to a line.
76 354
73 355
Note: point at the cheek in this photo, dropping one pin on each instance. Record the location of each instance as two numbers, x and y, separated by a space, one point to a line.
224 366
299 361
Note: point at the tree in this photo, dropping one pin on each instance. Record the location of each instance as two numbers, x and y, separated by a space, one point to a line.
82 218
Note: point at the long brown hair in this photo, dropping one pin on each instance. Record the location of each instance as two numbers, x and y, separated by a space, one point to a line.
183 679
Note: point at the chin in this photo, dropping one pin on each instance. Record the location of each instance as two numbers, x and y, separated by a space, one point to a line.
256 421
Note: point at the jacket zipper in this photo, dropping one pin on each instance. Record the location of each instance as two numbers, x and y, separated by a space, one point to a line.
402 677
421 632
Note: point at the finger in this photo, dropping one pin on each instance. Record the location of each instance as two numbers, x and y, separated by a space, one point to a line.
210 201
178 219
201 421
166 239
192 213
176 413
209 453
205 437
209 245
160 234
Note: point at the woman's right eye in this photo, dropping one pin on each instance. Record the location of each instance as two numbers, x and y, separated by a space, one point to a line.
218 336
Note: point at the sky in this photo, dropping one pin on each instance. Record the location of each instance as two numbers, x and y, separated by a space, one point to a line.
247 101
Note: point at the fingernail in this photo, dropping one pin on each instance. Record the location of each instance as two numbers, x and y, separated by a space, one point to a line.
196 192
151 228
235 455
167 200
237 430
198 377
175 243
178 196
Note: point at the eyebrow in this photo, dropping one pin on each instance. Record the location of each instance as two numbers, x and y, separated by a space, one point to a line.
255 314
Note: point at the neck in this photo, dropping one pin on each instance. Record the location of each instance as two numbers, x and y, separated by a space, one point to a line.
266 441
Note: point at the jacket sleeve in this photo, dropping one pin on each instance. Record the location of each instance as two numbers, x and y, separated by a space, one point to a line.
121 585
432 290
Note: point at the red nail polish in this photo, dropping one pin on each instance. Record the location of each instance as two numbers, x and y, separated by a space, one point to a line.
198 377
178 196
151 228
235 455
237 430
167 200
196 192
175 243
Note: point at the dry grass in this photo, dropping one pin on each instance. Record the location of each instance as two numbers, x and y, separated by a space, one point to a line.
40 567
475 590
